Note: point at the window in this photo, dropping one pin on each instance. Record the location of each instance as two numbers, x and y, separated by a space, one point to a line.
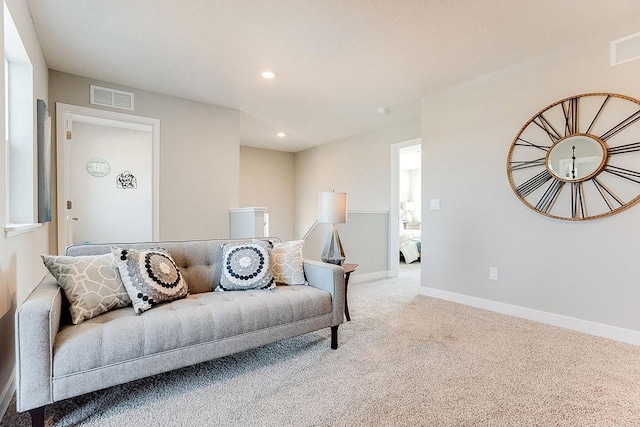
19 130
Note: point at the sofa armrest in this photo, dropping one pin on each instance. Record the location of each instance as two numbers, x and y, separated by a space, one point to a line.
37 323
328 277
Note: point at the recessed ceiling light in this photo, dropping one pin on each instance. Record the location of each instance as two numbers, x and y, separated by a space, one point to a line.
268 74
282 134
383 110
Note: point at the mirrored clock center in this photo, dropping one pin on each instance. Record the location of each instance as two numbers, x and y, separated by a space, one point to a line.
576 158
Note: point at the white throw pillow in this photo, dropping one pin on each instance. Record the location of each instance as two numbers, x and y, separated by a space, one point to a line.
287 264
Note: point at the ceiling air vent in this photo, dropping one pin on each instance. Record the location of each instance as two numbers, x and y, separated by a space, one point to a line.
625 49
111 98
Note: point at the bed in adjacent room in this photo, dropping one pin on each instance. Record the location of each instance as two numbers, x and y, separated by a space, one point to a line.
410 245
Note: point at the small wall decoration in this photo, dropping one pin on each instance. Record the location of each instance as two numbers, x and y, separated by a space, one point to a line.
126 181
44 162
98 167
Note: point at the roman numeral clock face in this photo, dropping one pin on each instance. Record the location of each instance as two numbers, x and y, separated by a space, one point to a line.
579 158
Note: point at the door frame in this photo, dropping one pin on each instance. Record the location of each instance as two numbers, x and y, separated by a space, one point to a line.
394 216
64 114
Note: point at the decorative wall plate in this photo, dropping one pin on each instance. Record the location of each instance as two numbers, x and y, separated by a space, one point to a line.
98 167
126 181
579 158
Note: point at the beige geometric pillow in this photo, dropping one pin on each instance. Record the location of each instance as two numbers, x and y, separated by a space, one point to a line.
91 283
287 265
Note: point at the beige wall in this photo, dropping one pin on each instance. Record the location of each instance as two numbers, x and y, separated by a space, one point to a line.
361 167
199 157
267 180
199 179
20 265
467 131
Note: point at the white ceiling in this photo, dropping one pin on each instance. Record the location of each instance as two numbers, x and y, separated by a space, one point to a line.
337 60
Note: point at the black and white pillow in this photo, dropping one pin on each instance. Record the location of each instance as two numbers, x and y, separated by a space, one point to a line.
246 266
150 276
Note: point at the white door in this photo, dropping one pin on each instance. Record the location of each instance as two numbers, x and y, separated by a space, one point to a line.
110 183
108 176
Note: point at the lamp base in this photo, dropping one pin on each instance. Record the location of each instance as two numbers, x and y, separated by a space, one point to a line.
333 252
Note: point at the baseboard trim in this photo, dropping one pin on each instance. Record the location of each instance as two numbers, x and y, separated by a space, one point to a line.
592 328
357 278
7 394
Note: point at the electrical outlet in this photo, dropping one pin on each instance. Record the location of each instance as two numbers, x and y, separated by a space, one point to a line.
493 273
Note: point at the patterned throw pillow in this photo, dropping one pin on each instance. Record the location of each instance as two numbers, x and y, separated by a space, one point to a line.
246 266
287 264
150 276
91 283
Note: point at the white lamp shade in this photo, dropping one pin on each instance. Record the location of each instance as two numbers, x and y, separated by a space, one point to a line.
332 207
409 206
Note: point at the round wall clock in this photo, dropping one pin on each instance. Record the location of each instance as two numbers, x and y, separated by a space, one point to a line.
579 158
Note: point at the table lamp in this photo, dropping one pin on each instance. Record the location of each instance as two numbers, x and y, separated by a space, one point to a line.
332 209
408 207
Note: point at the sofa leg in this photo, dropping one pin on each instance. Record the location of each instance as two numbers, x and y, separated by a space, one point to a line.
334 337
37 417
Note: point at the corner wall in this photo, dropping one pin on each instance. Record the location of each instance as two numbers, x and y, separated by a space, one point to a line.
267 180
467 132
360 166
20 265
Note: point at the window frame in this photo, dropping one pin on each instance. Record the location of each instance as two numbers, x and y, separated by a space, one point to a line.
19 140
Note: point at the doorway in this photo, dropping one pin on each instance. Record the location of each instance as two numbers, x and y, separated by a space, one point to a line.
107 177
406 204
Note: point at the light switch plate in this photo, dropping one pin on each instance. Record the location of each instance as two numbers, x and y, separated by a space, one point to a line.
434 204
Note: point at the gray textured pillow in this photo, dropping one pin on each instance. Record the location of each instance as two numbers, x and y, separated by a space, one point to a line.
246 266
287 264
91 283
150 276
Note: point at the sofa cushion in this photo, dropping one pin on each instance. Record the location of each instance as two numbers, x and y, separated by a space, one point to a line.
91 284
150 276
246 266
119 336
287 264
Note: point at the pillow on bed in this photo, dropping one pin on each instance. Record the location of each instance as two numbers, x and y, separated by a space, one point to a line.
150 277
91 284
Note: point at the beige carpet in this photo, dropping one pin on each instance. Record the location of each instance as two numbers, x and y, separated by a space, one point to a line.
403 360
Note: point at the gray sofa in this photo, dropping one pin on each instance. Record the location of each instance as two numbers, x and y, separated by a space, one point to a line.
57 360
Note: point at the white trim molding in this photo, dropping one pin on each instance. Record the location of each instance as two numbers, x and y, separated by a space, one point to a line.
592 328
366 212
11 230
7 394
357 278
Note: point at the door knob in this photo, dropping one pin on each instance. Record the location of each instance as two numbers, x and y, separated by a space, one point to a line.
75 218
